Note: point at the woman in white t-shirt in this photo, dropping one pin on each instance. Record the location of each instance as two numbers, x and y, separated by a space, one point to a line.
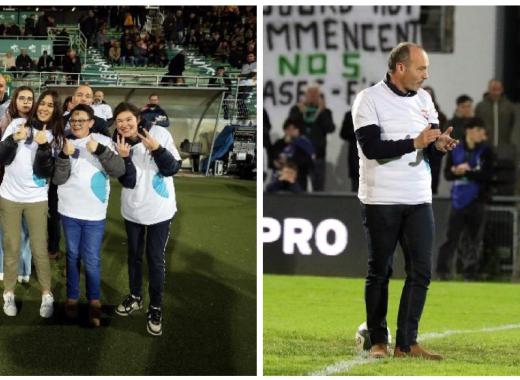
26 148
20 107
147 205
81 174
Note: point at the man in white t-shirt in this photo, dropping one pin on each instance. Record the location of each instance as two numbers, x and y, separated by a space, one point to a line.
101 108
396 127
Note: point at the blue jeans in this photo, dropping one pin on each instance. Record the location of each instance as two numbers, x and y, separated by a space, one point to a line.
24 269
84 239
411 226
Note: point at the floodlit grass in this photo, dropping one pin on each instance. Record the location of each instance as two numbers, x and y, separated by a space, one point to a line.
209 324
310 323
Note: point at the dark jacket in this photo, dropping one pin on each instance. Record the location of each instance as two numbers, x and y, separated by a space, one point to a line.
71 66
506 118
23 62
156 115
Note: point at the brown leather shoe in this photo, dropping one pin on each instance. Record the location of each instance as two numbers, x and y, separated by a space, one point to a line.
94 313
71 308
416 351
379 351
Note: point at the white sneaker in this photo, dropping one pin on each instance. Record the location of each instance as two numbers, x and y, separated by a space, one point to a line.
26 279
9 305
47 308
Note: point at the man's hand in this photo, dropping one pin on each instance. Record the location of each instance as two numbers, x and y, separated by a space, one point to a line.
41 136
426 137
445 143
20 134
149 142
68 148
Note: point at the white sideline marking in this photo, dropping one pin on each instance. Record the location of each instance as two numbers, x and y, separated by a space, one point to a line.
347 365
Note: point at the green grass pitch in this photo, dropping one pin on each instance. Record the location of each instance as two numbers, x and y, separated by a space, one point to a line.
310 323
209 324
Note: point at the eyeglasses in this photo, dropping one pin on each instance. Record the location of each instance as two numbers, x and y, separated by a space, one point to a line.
24 99
78 121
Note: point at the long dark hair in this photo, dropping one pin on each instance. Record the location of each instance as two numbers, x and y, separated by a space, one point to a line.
55 123
12 110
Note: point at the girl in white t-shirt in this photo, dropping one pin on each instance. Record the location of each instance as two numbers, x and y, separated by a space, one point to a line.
27 147
20 106
147 205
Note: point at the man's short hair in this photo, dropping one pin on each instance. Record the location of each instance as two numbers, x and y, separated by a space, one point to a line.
221 68
152 95
474 122
400 53
463 99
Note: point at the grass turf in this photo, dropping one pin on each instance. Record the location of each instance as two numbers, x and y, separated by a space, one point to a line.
310 323
209 317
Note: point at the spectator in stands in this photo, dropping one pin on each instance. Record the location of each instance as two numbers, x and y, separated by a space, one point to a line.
470 166
250 65
176 68
497 112
347 133
13 30
102 41
128 22
87 26
4 97
101 108
169 29
221 79
24 63
153 113
10 61
84 95
41 27
141 53
72 66
127 54
179 28
295 148
46 62
114 53
436 160
316 121
287 180
29 25
463 112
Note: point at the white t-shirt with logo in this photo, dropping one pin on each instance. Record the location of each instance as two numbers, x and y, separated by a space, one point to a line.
20 184
85 194
152 200
399 180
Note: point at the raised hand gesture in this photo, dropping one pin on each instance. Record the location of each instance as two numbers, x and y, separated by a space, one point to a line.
92 145
41 136
68 148
426 137
21 133
149 142
122 147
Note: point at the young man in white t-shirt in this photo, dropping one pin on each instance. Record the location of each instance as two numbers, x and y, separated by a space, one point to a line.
396 127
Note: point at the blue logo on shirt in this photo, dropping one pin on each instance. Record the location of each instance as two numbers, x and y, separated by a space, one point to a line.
39 181
159 185
98 185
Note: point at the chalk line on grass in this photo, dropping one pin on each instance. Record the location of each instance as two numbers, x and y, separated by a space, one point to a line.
347 365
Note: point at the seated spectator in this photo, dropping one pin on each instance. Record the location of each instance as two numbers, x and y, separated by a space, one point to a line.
10 61
127 54
114 54
101 108
72 65
141 53
46 63
295 148
23 62
13 30
153 113
287 180
250 64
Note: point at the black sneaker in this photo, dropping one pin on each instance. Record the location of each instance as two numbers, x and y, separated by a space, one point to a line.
154 324
130 304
